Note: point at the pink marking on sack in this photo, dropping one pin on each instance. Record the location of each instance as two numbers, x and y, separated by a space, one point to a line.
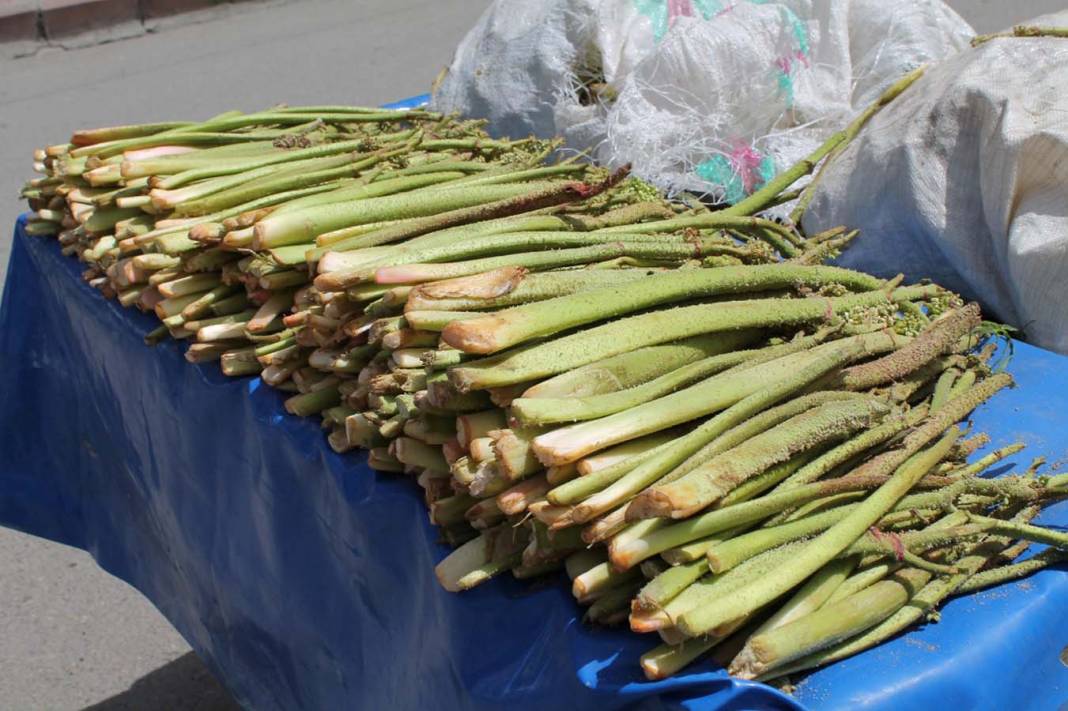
679 8
744 161
786 63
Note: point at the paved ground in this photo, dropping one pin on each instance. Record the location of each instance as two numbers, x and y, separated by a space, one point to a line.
71 636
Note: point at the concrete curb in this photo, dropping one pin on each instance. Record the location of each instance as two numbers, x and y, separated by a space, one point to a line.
26 25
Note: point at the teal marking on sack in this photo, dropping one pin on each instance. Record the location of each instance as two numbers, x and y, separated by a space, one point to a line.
737 177
662 13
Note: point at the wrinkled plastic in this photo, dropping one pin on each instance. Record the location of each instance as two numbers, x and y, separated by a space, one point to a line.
305 579
970 166
710 96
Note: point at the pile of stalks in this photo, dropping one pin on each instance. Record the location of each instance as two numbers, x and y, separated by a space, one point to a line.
719 438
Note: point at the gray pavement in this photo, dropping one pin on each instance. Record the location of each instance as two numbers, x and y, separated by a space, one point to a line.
71 636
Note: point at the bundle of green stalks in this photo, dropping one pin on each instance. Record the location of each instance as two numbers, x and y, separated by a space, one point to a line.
718 437
219 228
216 227
778 480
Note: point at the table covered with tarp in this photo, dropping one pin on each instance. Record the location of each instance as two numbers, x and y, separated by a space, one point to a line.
305 579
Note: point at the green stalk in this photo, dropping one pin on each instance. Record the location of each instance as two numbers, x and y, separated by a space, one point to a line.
312 403
920 605
546 411
730 517
88 137
217 131
304 225
719 220
519 324
203 305
820 551
495 245
727 555
851 448
827 546
486 218
612 606
1022 31
585 486
833 623
668 584
220 168
570 443
630 369
656 252
863 578
654 468
518 288
667 659
114 148
757 424
358 190
293 179
1005 573
598 579
938 339
657 327
714 587
471 564
943 387
102 221
630 451
813 595
435 320
592 483
987 461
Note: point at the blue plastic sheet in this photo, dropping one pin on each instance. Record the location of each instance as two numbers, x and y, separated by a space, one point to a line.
305 579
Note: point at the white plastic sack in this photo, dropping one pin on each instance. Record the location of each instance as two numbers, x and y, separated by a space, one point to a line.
964 179
713 96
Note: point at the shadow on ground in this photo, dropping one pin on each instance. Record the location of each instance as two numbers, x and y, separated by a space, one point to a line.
182 685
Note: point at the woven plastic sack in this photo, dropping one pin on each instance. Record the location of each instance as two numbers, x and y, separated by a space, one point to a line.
711 96
964 179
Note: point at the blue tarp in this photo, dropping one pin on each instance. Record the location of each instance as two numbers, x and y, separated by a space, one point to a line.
305 580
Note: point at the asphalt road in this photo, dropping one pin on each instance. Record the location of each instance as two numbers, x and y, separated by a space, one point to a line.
71 636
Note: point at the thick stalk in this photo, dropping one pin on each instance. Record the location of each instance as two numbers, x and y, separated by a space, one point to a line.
813 595
519 324
624 555
304 225
832 542
657 465
920 605
831 624
851 448
657 327
630 369
658 252
513 286
545 411
570 443
938 339
510 200
495 245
